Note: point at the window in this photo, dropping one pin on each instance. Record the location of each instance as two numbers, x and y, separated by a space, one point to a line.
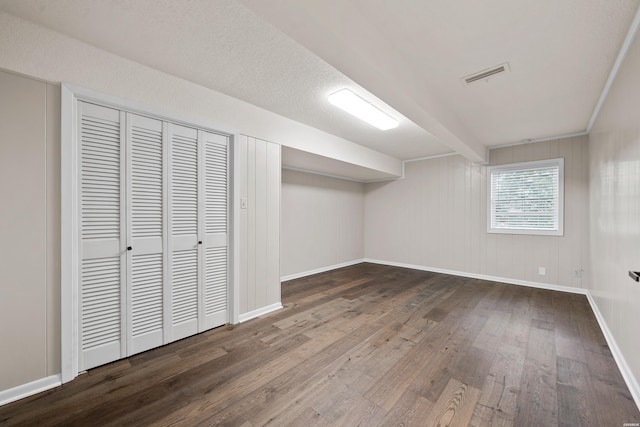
526 198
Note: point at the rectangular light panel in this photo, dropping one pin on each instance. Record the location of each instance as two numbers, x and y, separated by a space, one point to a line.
353 104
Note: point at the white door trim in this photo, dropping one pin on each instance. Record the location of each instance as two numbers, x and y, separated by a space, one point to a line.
70 240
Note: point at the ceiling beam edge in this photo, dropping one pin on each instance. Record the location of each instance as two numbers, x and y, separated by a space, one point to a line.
626 44
310 22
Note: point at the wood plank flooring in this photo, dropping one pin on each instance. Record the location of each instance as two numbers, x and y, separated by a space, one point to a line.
366 345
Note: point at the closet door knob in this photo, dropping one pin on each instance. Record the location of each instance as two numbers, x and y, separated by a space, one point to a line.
199 242
129 248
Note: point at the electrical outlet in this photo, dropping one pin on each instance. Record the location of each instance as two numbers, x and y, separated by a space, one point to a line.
542 271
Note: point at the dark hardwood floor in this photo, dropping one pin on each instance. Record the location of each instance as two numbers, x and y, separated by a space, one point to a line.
366 345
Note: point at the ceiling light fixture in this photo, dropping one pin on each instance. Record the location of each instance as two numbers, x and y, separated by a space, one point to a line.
353 104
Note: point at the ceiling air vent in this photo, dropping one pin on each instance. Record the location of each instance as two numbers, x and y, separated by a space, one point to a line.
486 74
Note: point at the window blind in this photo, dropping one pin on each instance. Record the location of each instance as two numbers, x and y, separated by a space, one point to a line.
526 197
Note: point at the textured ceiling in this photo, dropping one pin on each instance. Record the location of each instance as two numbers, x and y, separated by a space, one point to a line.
288 55
413 54
222 45
560 54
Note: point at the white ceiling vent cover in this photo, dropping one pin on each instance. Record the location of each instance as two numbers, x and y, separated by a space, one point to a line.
487 74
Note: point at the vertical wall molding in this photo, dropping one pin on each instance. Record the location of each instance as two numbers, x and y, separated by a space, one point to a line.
258 191
437 215
614 203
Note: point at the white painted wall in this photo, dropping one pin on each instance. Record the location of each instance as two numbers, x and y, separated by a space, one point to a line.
614 152
322 222
30 218
36 51
29 230
436 217
30 187
259 184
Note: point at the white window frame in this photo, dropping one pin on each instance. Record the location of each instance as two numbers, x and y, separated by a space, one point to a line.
559 163
70 176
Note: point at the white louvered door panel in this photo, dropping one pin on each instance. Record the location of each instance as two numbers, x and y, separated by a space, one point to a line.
154 224
101 300
215 278
146 225
183 230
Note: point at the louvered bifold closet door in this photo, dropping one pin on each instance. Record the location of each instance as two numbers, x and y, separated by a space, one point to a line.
215 188
154 232
101 299
183 231
146 225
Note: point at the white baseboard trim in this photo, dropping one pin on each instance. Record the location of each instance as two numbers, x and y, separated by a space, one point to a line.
625 370
321 270
43 384
259 312
29 389
508 280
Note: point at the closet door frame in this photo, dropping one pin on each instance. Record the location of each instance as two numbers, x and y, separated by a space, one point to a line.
71 217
